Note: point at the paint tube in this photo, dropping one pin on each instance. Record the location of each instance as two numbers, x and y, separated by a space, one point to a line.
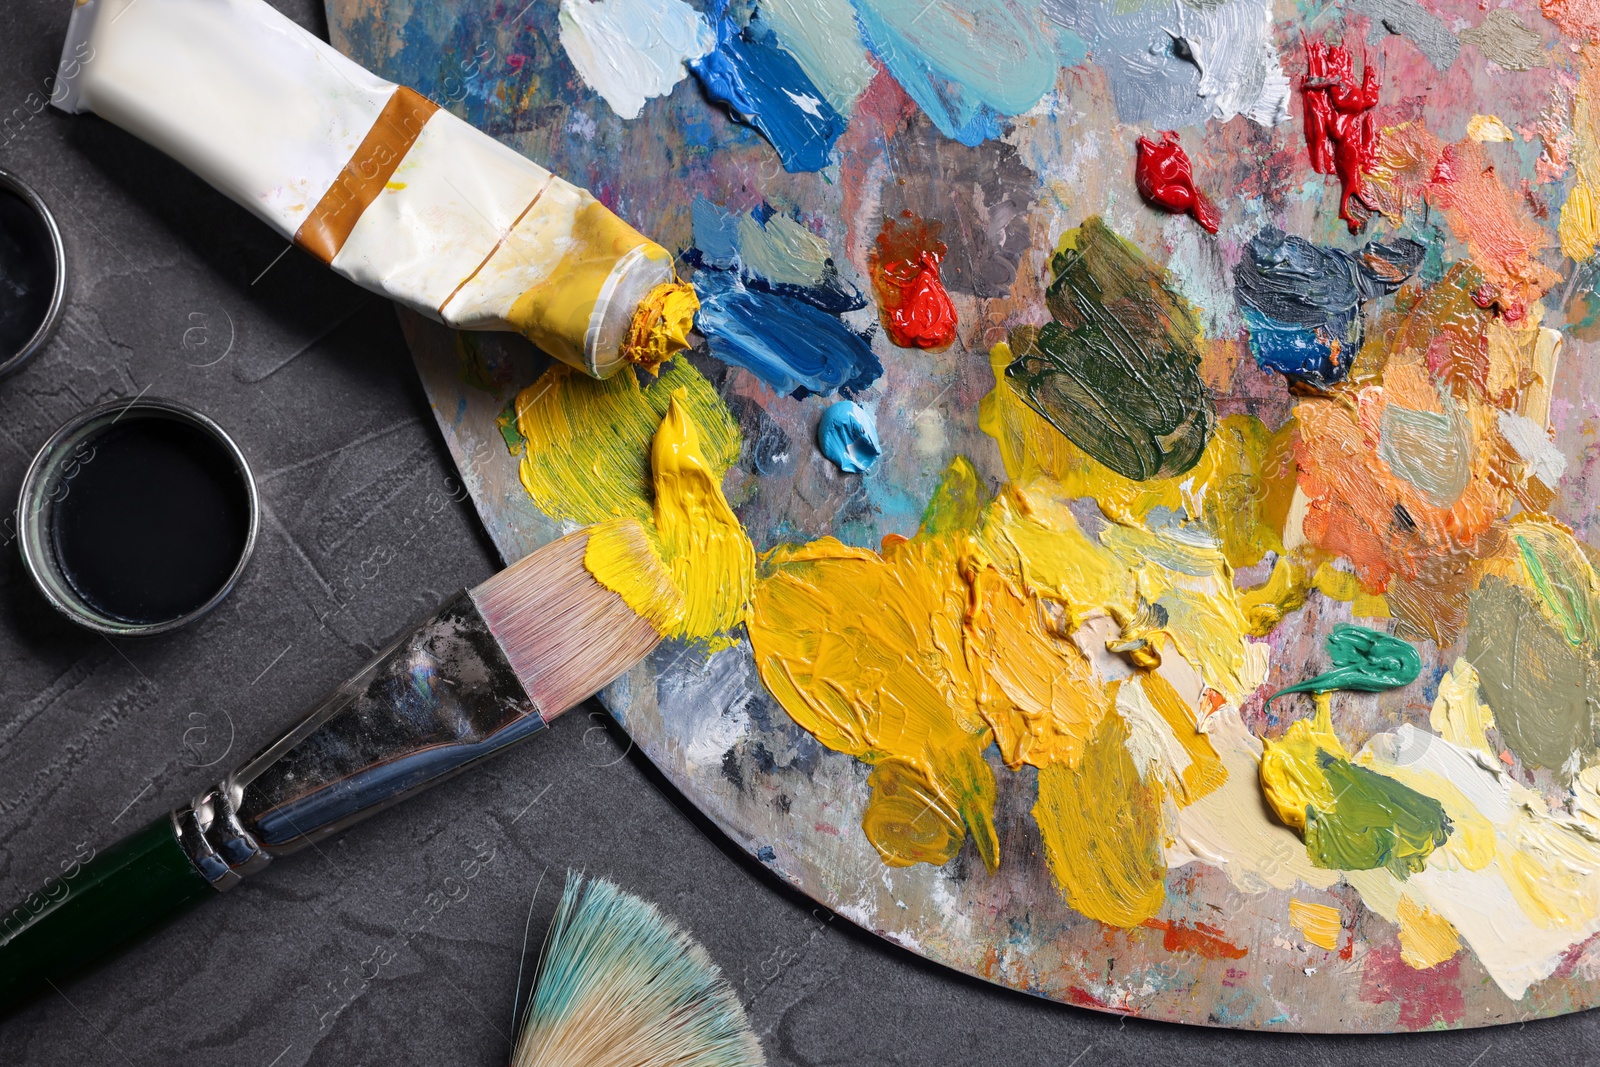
375 180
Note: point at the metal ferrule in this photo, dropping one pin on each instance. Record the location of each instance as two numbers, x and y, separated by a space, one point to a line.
432 704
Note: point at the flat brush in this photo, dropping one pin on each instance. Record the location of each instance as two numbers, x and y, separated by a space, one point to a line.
490 668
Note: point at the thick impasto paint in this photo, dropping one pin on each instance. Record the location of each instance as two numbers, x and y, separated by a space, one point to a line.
1126 524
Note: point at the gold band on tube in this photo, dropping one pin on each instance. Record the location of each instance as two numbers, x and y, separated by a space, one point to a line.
399 124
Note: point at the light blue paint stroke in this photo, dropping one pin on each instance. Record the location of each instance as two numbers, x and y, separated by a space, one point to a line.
823 36
793 347
965 64
763 86
724 239
847 435
716 234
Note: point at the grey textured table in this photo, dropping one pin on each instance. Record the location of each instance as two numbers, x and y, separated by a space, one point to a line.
378 949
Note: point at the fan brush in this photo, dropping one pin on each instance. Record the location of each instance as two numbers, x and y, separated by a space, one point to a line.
621 985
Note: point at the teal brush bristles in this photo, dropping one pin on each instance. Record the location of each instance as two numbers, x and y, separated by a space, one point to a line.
621 985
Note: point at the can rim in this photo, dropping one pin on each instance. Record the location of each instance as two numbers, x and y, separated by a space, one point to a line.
58 296
38 559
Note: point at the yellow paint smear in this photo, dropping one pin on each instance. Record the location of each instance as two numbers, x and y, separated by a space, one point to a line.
711 559
1319 924
1205 772
1579 229
1034 686
1426 938
661 325
863 651
699 585
588 442
1101 827
915 657
621 556
1487 128
1291 779
1459 715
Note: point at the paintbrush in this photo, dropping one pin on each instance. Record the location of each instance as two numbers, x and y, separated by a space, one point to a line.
621 985
490 668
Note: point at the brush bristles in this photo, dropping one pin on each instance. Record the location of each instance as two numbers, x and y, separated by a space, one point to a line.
566 635
621 985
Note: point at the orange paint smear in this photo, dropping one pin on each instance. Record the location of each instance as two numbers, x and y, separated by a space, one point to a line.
912 300
1200 939
1358 507
1497 226
1577 18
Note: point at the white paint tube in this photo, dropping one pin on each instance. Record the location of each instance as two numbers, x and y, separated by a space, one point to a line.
392 192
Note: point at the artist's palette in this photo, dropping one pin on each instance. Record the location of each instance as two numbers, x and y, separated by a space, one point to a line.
1191 457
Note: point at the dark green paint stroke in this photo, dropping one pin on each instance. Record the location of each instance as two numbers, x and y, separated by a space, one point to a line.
1364 660
1374 822
1117 371
1542 688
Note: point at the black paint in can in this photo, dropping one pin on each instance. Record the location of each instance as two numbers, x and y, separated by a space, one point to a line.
137 518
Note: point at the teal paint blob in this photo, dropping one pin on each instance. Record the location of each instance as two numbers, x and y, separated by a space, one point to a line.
848 436
1365 661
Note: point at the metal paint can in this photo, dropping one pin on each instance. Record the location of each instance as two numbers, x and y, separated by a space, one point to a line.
33 273
137 517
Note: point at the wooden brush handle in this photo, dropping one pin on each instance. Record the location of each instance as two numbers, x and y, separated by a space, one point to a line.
120 894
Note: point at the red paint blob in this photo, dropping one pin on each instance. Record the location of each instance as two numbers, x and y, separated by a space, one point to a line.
912 300
1165 179
1341 137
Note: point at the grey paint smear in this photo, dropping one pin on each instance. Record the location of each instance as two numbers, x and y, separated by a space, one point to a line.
1542 689
1180 64
1505 39
981 195
1408 18
1428 449
1292 280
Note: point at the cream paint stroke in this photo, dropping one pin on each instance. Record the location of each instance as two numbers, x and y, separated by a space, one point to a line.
629 51
1537 898
1228 828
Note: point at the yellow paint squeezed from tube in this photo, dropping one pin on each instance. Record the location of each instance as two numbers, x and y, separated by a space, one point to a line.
707 559
661 326
560 309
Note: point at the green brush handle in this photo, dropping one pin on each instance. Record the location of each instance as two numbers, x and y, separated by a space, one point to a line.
117 896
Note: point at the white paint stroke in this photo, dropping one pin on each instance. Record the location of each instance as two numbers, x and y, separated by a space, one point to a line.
629 51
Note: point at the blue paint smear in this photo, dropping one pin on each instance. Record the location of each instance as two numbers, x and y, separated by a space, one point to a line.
716 246
1299 299
716 234
793 347
848 436
1301 352
764 87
